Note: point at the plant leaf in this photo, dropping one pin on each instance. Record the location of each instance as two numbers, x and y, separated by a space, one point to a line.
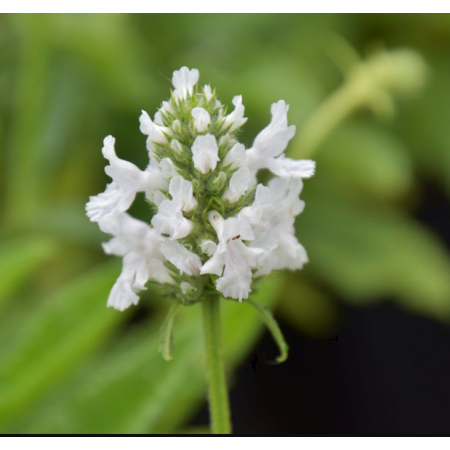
166 333
19 258
53 339
130 389
274 329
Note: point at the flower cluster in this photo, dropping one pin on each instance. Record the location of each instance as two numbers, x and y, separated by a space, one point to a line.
213 224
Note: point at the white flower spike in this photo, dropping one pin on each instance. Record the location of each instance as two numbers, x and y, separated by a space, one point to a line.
212 225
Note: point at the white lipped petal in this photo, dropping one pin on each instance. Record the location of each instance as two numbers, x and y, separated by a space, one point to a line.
155 133
290 168
159 272
237 275
157 180
272 219
124 173
184 81
170 220
285 193
115 246
237 228
113 201
240 183
137 270
215 264
181 190
139 245
137 235
157 198
201 119
128 180
236 119
269 145
167 168
158 120
184 260
236 157
273 139
208 92
205 153
166 108
124 292
232 260
289 254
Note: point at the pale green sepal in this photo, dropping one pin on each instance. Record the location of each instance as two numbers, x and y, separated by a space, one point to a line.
166 333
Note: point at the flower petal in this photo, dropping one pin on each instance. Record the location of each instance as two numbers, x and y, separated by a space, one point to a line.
287 168
184 260
239 184
169 220
184 81
205 153
181 190
236 119
123 293
201 119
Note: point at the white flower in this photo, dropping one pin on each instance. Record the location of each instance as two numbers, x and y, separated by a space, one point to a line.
207 91
138 244
272 218
114 200
201 119
184 81
128 180
181 189
205 153
155 133
236 119
170 220
239 184
271 142
184 260
232 260
125 174
236 157
255 236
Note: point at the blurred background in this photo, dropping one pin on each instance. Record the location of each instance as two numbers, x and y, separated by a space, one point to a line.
367 320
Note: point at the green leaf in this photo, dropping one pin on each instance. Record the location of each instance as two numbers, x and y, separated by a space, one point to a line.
54 338
424 125
367 253
274 329
364 158
166 333
130 389
19 259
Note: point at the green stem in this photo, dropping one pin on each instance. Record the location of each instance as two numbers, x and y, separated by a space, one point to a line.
328 116
370 84
218 395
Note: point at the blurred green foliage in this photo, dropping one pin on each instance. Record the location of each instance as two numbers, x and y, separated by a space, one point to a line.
67 364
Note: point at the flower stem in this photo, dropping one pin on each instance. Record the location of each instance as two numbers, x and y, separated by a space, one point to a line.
370 84
218 395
